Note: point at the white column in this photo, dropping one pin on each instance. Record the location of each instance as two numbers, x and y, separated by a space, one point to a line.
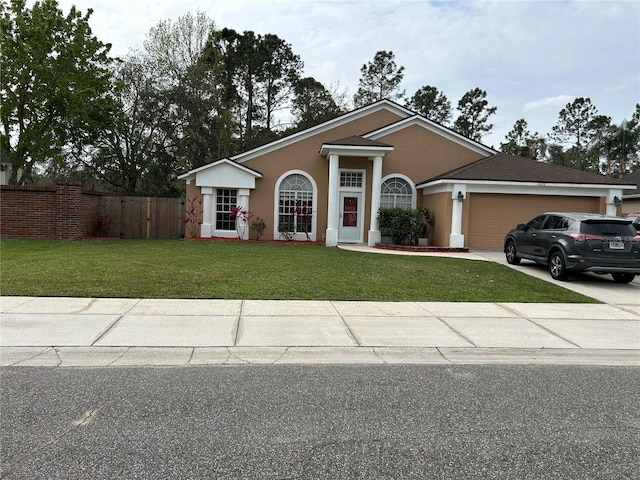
331 234
611 208
206 229
456 239
376 185
242 227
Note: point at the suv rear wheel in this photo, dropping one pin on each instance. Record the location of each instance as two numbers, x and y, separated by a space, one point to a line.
511 253
557 267
623 277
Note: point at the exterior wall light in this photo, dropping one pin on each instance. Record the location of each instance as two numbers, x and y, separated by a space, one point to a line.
616 201
461 197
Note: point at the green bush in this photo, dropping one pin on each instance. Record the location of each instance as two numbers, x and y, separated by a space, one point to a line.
258 226
404 225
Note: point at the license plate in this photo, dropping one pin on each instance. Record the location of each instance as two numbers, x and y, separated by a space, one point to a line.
616 245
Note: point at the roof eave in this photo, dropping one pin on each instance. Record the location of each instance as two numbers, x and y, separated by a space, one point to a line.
340 120
433 127
192 173
441 181
354 150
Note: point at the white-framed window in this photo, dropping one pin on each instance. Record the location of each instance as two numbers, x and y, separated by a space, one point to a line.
296 212
397 191
226 199
351 179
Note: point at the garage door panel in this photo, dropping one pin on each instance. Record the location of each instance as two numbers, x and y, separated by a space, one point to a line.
491 216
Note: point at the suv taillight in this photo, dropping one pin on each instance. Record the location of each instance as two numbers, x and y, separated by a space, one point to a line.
581 237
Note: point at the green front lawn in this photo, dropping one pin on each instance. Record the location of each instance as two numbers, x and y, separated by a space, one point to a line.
237 270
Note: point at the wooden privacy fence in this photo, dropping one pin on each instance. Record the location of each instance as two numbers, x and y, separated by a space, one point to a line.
144 217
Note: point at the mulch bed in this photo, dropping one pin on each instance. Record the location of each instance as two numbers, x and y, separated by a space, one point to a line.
418 248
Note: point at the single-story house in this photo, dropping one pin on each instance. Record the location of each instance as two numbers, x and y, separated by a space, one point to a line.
327 182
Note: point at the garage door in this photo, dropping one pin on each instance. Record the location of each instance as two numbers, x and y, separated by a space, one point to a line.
492 215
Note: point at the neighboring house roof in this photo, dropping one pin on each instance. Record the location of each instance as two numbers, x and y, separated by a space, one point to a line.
635 179
502 167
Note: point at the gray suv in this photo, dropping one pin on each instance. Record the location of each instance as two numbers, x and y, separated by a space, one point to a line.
577 242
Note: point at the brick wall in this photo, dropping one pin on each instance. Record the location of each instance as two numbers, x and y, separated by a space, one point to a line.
61 212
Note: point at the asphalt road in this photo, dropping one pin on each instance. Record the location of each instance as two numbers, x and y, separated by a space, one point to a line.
286 422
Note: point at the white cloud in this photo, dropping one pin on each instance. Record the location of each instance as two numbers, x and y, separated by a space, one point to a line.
559 102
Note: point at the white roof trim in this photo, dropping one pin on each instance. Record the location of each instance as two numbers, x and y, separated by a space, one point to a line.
354 150
336 122
433 127
447 181
193 172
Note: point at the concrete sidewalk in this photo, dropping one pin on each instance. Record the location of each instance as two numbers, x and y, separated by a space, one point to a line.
45 331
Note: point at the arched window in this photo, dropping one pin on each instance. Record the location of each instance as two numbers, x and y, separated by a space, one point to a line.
295 204
396 192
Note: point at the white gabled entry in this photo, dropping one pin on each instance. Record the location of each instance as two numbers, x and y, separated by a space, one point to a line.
222 177
335 201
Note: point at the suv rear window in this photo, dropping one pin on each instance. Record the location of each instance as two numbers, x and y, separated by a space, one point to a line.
608 229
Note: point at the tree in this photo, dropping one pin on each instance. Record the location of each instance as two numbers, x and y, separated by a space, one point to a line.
474 115
312 103
55 84
520 142
281 72
193 81
174 47
431 103
379 79
124 155
619 146
341 96
576 128
260 74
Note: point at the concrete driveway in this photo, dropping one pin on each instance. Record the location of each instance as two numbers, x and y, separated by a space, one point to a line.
600 287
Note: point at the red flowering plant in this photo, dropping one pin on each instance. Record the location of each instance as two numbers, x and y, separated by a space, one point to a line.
304 212
242 216
104 224
193 216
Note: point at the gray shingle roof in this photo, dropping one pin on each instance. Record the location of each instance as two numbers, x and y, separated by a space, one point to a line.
511 168
635 179
357 141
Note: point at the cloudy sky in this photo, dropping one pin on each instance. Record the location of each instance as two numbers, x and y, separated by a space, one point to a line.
531 57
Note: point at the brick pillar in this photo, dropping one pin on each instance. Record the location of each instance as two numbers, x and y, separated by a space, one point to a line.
68 221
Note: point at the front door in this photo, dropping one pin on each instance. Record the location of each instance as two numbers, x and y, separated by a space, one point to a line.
350 222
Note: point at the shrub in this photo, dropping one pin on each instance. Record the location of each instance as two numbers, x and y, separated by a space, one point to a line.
404 225
285 232
258 226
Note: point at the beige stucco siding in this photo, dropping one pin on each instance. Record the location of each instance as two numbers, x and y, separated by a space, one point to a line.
440 206
491 216
304 155
421 154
